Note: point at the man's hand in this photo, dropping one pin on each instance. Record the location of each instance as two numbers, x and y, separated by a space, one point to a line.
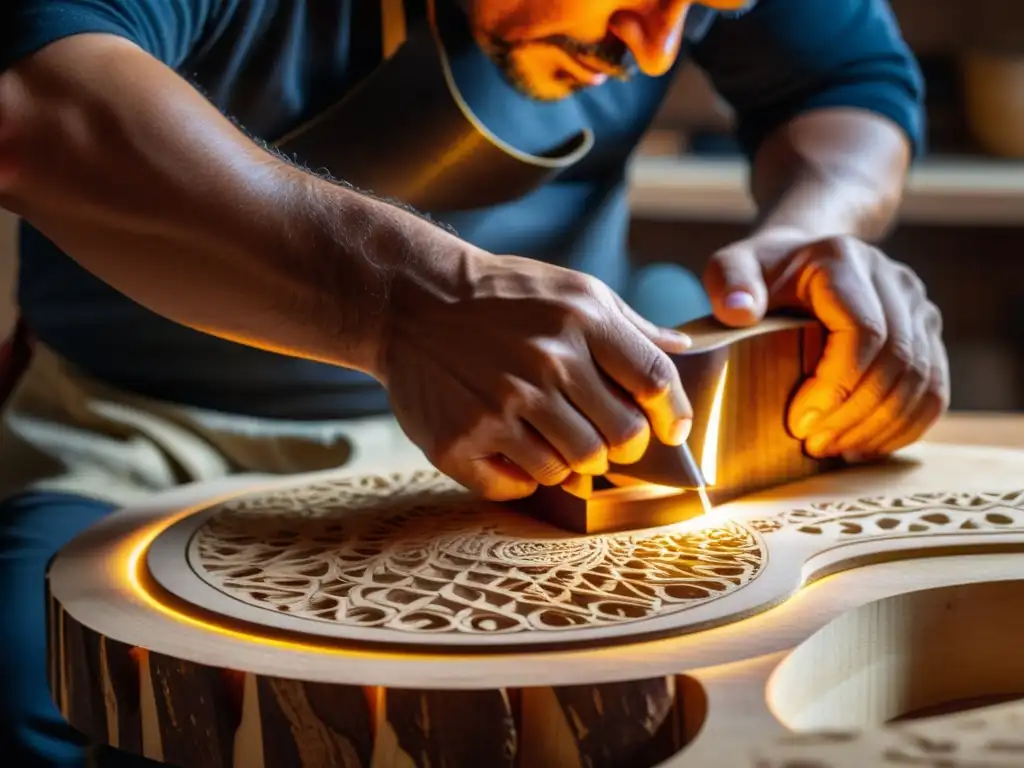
523 373
884 377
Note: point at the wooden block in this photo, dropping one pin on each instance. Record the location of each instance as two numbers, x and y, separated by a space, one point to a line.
740 383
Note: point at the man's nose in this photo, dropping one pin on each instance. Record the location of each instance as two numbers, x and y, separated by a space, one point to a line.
652 33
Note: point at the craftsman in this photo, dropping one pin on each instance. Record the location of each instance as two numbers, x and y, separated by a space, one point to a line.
202 305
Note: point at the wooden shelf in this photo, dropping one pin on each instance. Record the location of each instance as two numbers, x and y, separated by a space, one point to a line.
940 191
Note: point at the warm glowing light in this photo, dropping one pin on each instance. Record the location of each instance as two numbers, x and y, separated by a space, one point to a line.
704 500
709 455
130 560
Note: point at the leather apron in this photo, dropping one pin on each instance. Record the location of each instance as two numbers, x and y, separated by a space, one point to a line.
410 131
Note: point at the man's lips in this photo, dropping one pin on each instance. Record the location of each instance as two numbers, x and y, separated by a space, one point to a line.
598 66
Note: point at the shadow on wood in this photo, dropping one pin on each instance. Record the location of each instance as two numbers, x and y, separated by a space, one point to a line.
740 383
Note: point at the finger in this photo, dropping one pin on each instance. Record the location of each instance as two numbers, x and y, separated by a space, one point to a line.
930 407
580 486
839 292
648 375
570 432
491 477
624 430
896 412
881 396
735 284
534 455
669 340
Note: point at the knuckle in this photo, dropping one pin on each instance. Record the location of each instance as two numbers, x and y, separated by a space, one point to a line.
555 364
659 375
909 281
551 471
847 248
874 334
589 457
932 318
516 398
903 352
590 286
918 377
628 433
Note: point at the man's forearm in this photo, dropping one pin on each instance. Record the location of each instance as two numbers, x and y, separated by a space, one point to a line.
136 176
832 172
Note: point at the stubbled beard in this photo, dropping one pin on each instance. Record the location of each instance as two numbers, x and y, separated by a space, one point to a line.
610 51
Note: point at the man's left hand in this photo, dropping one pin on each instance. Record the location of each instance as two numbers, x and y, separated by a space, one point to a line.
883 379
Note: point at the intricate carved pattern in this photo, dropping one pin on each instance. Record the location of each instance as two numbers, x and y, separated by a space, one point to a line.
915 514
414 553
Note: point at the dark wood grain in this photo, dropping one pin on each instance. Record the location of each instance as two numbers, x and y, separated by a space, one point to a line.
121 670
453 728
601 726
197 710
309 725
83 677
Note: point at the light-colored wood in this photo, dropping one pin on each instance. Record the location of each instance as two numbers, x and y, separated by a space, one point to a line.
740 382
151 669
943 192
1004 430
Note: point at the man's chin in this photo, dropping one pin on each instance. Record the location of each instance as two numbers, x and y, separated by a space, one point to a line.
548 92
541 89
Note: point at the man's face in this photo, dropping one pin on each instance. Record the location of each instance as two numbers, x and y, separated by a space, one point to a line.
552 48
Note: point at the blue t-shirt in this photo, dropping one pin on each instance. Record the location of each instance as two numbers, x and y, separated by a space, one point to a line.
272 64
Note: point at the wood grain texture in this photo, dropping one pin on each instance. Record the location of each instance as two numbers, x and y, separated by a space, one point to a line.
600 726
208 717
760 368
851 555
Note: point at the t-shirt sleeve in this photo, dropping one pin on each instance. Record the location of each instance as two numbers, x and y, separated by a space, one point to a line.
785 57
166 29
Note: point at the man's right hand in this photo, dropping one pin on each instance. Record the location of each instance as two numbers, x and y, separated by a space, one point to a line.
521 373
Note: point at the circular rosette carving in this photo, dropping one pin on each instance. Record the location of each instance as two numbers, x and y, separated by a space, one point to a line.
414 553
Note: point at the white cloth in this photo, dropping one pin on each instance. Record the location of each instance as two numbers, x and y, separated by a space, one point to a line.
63 431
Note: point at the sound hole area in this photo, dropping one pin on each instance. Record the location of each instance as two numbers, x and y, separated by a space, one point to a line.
915 655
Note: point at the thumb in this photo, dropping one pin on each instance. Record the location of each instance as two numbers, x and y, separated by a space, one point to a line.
735 285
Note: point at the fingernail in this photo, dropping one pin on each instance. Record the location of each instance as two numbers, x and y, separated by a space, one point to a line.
680 431
679 338
818 444
807 422
739 300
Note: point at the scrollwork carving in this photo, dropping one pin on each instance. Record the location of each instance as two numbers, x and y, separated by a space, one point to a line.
414 553
886 516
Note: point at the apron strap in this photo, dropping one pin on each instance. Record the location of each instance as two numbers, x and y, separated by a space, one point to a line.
15 355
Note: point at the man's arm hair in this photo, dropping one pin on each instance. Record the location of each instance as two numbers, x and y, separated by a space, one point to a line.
135 175
828 98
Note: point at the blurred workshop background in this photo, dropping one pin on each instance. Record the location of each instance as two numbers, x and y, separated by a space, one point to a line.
962 225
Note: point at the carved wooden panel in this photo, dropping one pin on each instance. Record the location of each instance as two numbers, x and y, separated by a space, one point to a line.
395 621
428 566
